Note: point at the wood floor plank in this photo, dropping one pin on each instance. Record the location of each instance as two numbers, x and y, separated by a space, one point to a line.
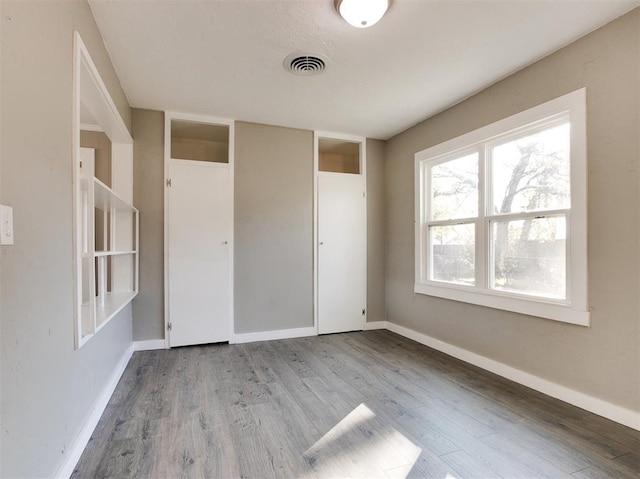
368 404
431 466
285 444
356 445
630 460
511 450
411 424
475 448
567 457
595 472
127 459
469 467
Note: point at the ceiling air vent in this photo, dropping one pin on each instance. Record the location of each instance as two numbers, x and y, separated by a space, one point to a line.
305 63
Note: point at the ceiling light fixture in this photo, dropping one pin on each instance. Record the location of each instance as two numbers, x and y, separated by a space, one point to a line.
362 13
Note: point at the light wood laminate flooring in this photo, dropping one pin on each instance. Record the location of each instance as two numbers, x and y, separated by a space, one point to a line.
367 404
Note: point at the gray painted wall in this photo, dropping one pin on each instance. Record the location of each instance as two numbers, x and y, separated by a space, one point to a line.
273 228
375 231
148 196
102 145
48 388
602 360
273 207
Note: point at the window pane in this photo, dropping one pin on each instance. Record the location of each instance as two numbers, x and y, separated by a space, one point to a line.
453 253
531 173
529 256
454 188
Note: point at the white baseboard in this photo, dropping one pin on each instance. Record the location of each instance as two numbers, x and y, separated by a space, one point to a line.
149 345
370 325
592 404
77 447
272 335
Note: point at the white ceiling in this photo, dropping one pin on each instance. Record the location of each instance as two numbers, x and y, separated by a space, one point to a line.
225 57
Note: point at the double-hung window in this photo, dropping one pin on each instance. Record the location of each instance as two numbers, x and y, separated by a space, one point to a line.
501 214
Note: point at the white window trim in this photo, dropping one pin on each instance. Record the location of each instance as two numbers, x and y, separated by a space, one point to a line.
573 310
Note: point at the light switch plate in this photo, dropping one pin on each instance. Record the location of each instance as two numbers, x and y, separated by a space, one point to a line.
6 225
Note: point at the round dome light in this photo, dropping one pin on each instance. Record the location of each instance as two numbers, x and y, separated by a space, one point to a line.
362 13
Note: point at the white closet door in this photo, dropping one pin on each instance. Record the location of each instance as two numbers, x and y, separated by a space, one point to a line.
341 252
199 222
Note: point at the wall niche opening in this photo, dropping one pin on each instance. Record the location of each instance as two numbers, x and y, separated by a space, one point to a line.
196 141
338 156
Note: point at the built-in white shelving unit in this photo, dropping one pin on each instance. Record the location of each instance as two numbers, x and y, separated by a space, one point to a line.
108 227
105 223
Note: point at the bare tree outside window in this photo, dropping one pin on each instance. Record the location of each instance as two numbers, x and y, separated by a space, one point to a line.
531 174
454 186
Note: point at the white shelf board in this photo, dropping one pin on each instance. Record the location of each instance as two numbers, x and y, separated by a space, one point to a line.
112 305
105 198
112 253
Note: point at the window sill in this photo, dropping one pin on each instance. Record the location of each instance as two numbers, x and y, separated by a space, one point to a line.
529 306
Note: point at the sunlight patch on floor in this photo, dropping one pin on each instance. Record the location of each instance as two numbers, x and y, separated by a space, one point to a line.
362 445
